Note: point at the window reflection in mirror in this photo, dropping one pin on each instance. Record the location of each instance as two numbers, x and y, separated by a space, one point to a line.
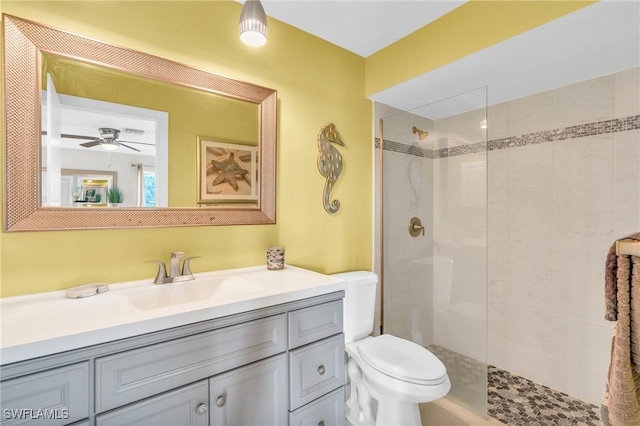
151 126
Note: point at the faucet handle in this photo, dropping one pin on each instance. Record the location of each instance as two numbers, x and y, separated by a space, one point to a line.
186 269
161 276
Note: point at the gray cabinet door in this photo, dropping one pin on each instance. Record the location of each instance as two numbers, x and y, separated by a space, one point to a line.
251 395
187 406
54 397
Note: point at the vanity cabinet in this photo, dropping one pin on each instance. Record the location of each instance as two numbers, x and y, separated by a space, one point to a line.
271 366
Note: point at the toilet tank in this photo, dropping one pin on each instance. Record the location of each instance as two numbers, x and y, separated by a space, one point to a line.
359 303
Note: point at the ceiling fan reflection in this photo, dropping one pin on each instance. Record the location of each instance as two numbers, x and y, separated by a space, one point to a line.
108 140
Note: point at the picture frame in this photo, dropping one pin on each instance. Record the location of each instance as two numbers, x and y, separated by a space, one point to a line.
227 173
94 192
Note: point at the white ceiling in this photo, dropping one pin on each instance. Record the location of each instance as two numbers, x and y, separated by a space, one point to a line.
361 26
596 40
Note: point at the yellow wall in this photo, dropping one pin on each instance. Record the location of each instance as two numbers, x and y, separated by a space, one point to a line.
317 83
471 27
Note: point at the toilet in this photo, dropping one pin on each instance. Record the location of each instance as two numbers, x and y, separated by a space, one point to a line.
393 373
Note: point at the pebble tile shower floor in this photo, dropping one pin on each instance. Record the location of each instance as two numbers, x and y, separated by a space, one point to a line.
514 400
517 401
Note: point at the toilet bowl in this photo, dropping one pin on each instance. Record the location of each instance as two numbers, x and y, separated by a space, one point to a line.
389 376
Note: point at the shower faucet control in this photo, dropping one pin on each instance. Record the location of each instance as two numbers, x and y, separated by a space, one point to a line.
415 227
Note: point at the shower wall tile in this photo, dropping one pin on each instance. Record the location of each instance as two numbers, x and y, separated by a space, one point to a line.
397 192
583 182
627 92
578 272
397 318
497 187
497 121
530 246
531 114
627 183
530 165
530 205
581 353
496 322
527 362
627 207
585 102
497 253
528 314
461 328
627 155
464 128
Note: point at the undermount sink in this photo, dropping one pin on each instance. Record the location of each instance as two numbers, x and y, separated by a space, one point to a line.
222 288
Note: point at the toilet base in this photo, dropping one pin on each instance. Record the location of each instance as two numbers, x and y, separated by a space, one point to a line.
392 412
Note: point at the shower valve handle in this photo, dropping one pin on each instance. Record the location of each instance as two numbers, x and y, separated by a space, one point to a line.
415 227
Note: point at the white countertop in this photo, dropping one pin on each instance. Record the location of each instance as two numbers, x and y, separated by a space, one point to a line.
46 323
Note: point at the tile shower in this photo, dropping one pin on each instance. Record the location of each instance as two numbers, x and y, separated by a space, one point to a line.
543 194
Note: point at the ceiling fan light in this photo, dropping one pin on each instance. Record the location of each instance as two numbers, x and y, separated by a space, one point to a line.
109 145
253 24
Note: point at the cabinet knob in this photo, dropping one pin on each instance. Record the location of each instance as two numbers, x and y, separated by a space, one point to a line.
321 370
321 423
202 409
222 399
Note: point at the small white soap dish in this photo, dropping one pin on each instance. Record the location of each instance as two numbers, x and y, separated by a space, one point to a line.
87 290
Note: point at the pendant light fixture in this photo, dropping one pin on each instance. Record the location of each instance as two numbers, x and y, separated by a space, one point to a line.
253 24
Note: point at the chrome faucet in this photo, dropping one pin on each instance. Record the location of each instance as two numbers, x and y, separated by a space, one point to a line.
175 274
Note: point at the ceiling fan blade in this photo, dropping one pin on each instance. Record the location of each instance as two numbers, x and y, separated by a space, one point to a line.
127 146
70 136
94 142
137 143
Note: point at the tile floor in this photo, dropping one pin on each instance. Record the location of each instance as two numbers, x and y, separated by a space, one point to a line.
511 399
517 401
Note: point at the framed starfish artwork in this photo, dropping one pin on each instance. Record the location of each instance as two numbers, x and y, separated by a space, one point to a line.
227 173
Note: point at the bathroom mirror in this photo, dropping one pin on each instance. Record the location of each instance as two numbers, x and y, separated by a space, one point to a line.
30 46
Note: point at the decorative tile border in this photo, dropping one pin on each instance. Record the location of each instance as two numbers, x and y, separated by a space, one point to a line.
571 132
402 148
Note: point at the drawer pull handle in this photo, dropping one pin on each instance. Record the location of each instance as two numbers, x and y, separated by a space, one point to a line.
321 423
222 399
202 409
321 370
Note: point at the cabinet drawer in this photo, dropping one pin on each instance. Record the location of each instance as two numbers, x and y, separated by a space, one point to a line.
314 323
315 370
187 406
139 373
326 411
60 395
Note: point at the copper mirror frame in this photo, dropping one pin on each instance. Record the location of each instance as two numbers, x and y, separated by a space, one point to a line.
23 43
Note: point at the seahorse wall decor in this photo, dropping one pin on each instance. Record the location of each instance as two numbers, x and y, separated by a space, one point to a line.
329 163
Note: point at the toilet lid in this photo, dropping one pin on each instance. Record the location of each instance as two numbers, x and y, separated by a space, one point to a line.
403 360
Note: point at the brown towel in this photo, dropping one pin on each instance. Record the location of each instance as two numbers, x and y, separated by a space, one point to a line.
621 401
610 281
